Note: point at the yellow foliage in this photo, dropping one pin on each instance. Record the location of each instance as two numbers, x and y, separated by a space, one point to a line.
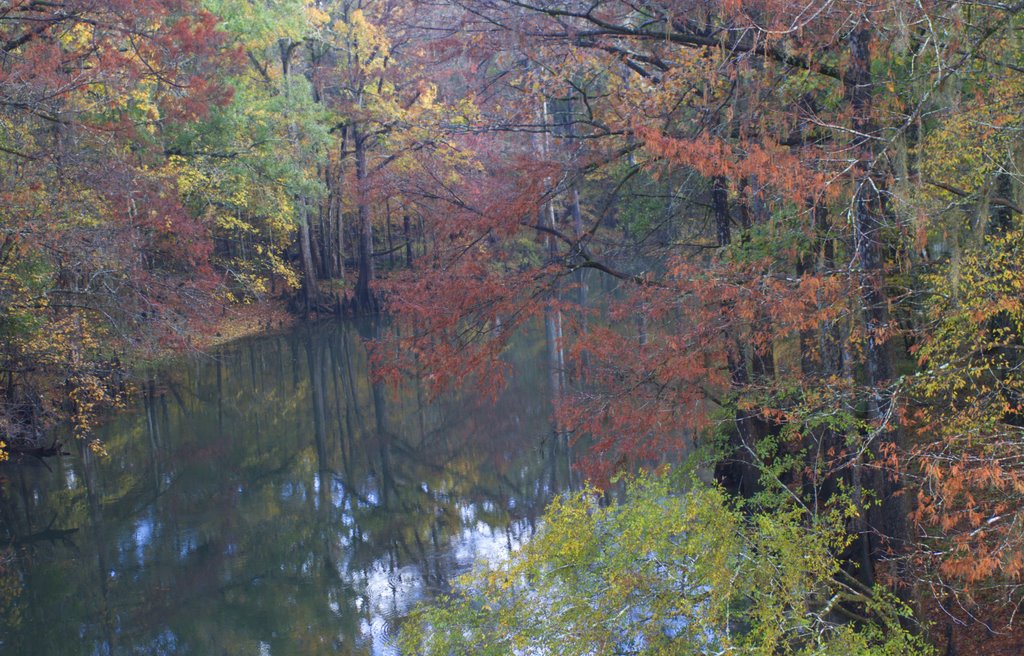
364 40
190 178
316 17
79 36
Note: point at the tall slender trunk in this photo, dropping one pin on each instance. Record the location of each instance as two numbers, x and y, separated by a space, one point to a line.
820 358
311 294
737 471
339 177
311 290
576 211
364 296
387 225
720 206
552 328
552 313
407 232
887 520
315 218
328 257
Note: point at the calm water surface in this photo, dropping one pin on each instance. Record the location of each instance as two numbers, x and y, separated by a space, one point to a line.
273 500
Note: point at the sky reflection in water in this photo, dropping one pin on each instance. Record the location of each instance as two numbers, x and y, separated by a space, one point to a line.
274 500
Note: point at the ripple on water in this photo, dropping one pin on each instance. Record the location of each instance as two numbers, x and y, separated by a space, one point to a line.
392 593
383 641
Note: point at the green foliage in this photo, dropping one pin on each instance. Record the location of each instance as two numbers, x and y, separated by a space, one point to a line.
643 205
783 234
261 24
242 166
665 572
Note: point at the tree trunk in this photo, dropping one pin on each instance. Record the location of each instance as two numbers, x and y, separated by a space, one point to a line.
311 290
720 206
737 472
365 301
886 520
339 177
311 293
408 240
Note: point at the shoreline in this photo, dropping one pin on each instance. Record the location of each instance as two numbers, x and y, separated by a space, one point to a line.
236 323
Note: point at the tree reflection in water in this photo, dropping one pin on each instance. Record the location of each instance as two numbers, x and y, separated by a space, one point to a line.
274 499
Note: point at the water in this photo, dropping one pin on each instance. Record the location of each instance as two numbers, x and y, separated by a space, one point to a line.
272 500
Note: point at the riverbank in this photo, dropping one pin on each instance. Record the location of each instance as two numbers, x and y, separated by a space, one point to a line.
249 320
107 385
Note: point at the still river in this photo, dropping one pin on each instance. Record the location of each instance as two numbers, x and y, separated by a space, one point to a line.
273 500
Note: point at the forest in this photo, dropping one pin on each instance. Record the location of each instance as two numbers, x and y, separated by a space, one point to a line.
802 403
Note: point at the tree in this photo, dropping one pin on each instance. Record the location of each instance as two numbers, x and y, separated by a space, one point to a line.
770 294
665 573
97 253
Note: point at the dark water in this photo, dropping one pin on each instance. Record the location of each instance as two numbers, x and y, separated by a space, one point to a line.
272 500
